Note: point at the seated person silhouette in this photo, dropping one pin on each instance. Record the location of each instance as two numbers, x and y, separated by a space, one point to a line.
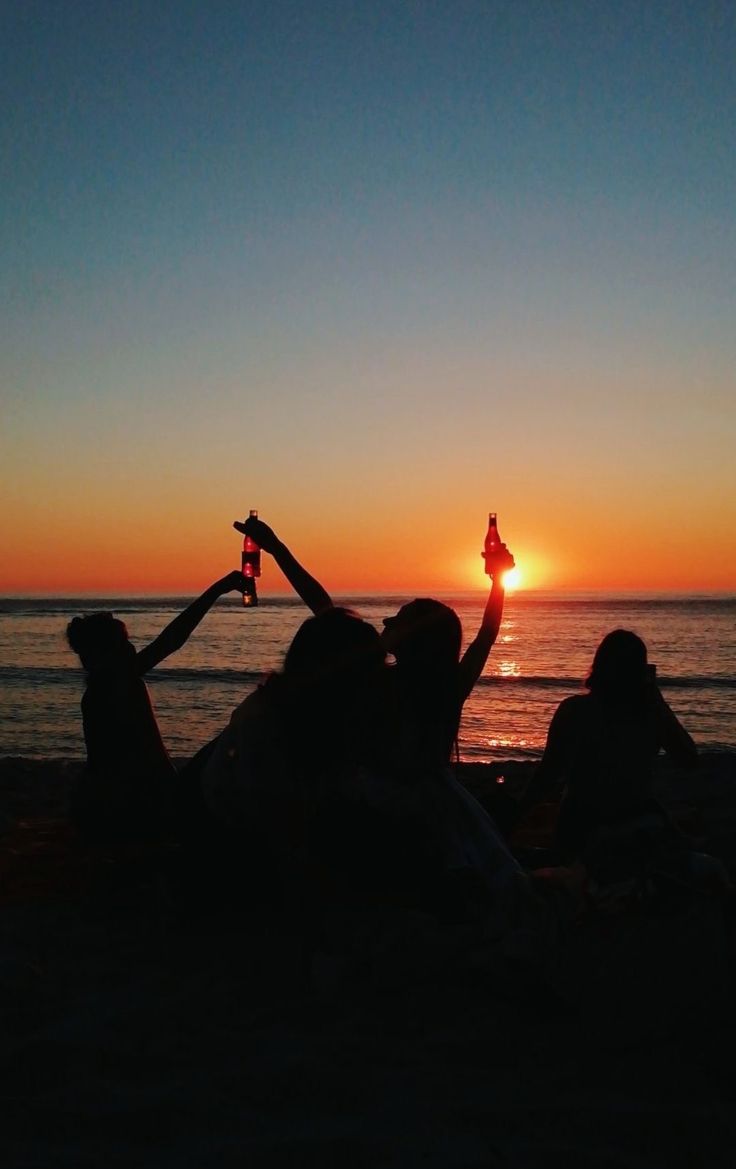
601 748
294 774
129 778
426 691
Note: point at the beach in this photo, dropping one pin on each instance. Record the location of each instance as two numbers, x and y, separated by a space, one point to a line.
337 835
138 1034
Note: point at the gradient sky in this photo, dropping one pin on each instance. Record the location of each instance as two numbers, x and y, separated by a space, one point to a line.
373 268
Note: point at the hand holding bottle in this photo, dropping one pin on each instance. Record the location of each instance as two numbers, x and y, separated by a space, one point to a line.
499 562
234 582
495 553
259 533
309 589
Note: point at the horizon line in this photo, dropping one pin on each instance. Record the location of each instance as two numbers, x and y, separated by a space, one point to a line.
447 592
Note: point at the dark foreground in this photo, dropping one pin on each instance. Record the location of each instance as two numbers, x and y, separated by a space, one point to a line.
134 1033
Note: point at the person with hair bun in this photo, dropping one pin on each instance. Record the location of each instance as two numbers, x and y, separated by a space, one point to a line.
129 777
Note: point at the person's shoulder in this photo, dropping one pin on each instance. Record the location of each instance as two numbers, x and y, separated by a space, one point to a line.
574 703
573 708
256 704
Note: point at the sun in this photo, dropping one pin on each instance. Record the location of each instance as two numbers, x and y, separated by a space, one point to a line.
512 579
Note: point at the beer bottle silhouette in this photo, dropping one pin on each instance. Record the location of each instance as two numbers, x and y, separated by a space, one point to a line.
251 568
493 544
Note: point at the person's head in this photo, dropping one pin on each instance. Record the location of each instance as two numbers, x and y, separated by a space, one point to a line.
333 647
100 640
619 669
424 633
332 678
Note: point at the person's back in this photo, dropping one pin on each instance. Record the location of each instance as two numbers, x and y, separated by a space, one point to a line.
129 778
602 745
120 727
306 731
610 753
123 789
424 638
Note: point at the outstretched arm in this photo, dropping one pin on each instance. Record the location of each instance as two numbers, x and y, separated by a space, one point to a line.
305 586
179 630
476 655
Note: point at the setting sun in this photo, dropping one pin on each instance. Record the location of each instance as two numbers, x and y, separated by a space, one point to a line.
512 579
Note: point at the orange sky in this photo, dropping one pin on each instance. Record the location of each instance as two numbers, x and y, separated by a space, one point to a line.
601 481
601 548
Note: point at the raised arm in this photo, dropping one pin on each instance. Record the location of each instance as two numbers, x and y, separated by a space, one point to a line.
305 586
476 655
179 630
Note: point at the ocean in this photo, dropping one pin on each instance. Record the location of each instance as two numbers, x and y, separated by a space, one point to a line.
542 654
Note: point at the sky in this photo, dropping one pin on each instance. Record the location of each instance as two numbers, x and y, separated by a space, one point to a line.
374 269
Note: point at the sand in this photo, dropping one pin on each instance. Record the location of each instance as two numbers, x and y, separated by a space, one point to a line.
136 1034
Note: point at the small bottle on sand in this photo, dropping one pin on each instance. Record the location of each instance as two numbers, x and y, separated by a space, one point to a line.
251 568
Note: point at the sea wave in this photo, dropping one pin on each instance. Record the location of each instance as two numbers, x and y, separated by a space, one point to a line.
61 675
121 606
592 602
543 681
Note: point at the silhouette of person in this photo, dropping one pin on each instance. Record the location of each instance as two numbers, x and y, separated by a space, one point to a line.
296 771
601 745
426 691
129 776
321 714
432 680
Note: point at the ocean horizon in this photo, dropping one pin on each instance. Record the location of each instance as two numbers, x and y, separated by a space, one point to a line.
288 595
544 649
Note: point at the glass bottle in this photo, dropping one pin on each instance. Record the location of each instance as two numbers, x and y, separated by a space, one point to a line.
493 544
251 567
